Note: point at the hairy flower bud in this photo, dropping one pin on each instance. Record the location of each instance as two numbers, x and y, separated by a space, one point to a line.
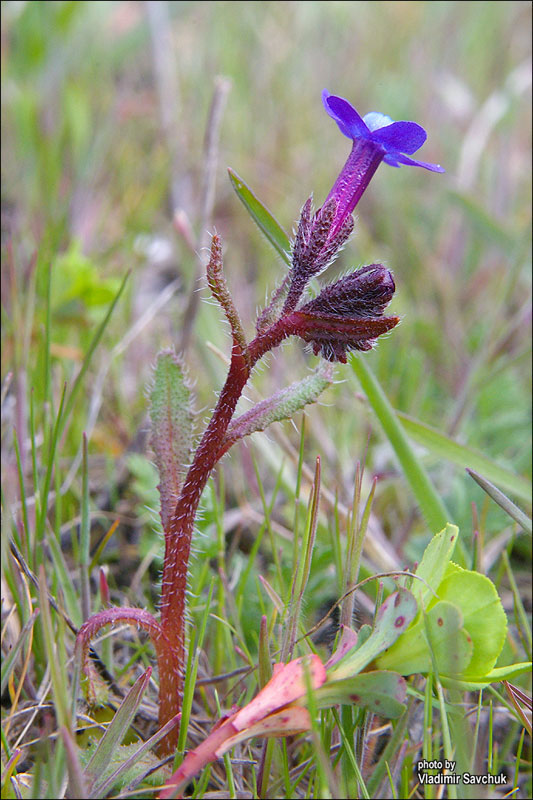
364 293
348 314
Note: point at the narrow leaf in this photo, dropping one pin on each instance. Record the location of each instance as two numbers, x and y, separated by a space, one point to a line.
286 685
425 493
282 405
64 578
442 446
172 428
13 654
52 653
274 596
262 217
101 789
286 722
508 506
219 289
264 665
117 729
434 564
77 784
85 535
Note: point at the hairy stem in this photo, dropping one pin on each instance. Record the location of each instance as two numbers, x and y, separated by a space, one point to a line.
179 533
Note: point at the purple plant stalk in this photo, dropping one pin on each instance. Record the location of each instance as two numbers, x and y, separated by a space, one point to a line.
346 315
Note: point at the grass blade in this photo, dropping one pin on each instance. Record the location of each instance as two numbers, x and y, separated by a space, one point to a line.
77 785
57 671
64 579
441 445
50 462
508 506
117 729
85 536
429 501
11 658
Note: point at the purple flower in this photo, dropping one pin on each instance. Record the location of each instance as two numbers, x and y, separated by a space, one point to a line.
376 138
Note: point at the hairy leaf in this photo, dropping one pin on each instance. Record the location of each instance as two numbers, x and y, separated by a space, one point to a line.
117 730
172 428
282 405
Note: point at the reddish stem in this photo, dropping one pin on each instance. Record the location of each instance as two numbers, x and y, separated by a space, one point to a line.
179 534
111 616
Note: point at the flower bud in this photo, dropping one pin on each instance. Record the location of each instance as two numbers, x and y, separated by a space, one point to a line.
364 293
348 314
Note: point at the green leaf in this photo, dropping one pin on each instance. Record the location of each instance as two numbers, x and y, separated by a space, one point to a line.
172 428
451 646
511 671
262 217
425 493
117 729
443 625
379 691
464 628
434 563
72 599
394 617
132 761
77 279
442 446
282 405
483 615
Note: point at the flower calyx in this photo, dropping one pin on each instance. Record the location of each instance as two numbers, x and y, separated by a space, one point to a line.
315 246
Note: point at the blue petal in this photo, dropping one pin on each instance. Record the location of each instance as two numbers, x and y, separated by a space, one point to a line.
345 115
391 160
402 137
397 159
